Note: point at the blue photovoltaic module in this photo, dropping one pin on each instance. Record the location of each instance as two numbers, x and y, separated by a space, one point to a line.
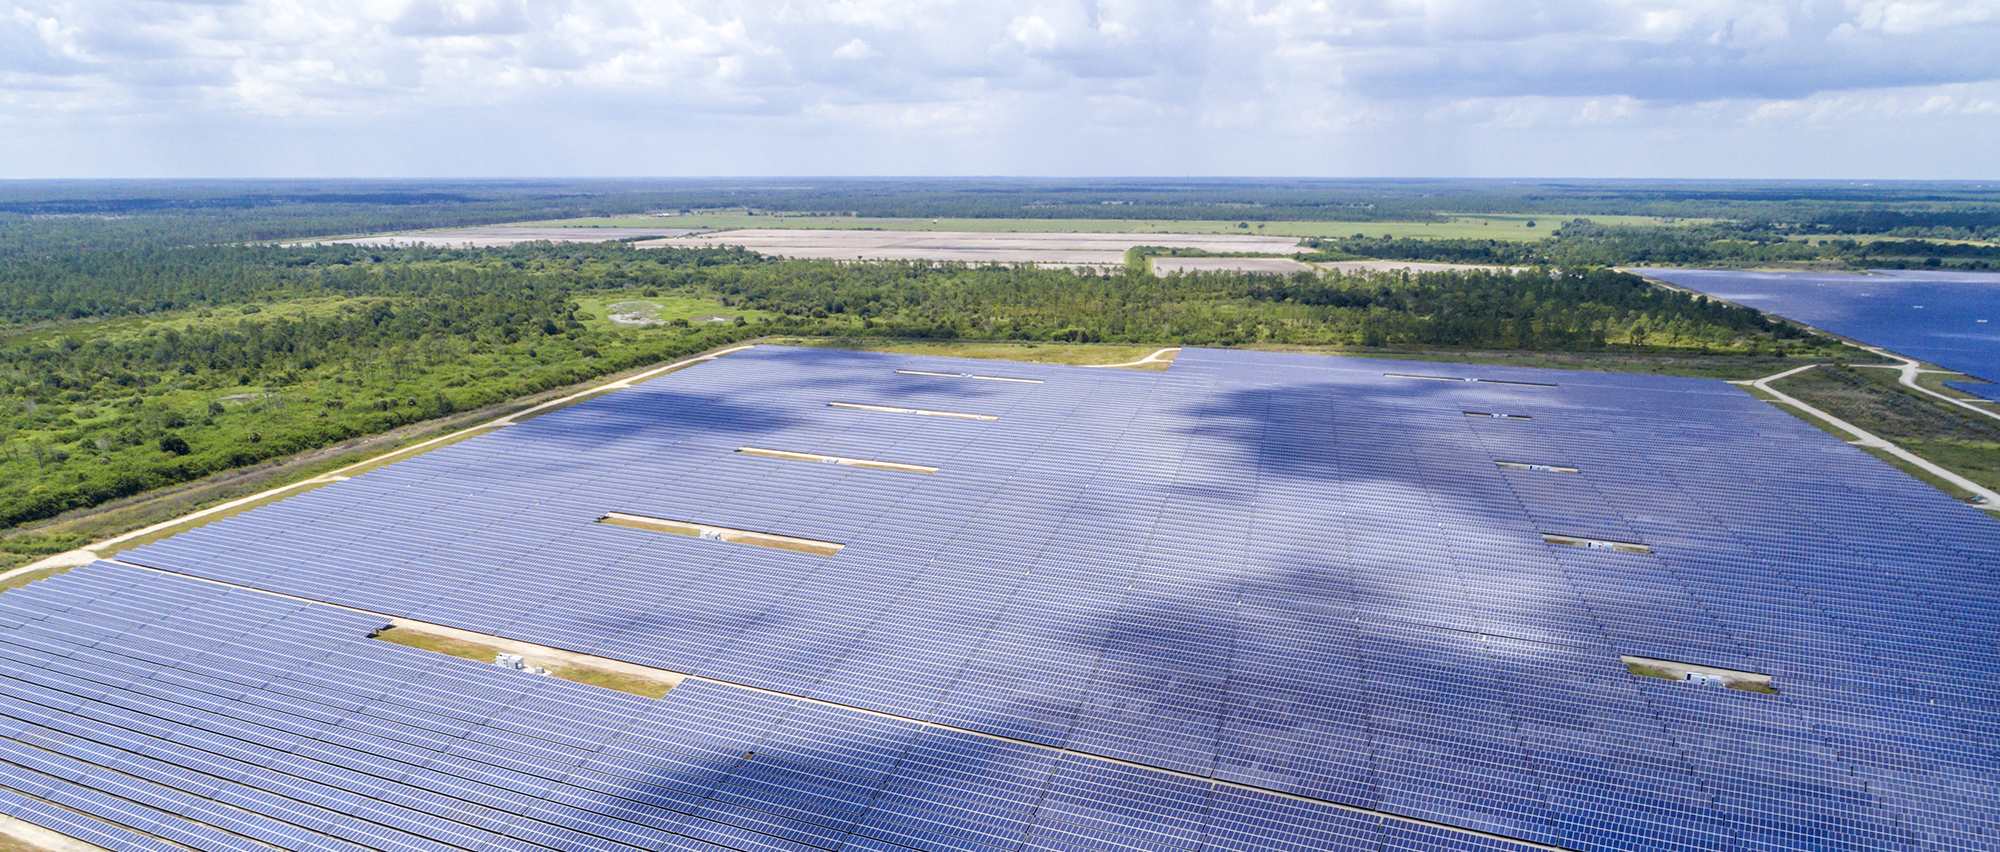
1944 317
1256 601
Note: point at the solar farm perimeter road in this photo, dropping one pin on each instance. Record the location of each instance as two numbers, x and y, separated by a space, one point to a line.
1951 319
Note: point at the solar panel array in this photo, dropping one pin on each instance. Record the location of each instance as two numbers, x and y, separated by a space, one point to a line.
1944 317
143 711
1983 390
1290 574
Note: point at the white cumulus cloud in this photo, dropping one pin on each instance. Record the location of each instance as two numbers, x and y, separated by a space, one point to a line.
1047 86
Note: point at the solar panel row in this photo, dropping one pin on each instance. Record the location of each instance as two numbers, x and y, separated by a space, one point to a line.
1290 572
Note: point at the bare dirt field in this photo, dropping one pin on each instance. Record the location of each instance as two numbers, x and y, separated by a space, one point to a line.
492 237
1411 265
1260 265
973 247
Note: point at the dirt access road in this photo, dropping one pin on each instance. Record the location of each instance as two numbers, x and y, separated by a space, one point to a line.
499 237
1078 249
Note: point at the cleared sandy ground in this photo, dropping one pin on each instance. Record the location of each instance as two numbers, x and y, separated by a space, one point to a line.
1411 265
973 246
1286 266
491 237
1261 265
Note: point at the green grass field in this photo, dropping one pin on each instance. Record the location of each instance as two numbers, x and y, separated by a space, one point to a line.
1978 461
1872 400
1501 227
460 648
594 311
1877 238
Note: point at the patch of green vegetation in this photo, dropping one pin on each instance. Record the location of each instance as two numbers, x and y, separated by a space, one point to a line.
1957 440
438 644
1872 400
642 687
1879 238
299 309
1817 423
28 548
422 641
652 307
1644 670
1945 435
1978 461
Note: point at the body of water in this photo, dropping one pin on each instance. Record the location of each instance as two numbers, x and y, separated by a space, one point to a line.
1951 319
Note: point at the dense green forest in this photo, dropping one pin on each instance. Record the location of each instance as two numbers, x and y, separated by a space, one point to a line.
1541 309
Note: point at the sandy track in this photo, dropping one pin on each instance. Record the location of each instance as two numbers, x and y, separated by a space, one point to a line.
494 237
973 246
1262 265
1411 265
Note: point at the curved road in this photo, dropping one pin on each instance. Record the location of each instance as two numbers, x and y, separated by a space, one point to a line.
1911 368
1987 498
1150 359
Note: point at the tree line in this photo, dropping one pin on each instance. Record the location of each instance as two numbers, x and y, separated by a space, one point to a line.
1575 308
46 218
1582 242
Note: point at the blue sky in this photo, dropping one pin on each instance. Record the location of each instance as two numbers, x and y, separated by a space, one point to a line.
1448 88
